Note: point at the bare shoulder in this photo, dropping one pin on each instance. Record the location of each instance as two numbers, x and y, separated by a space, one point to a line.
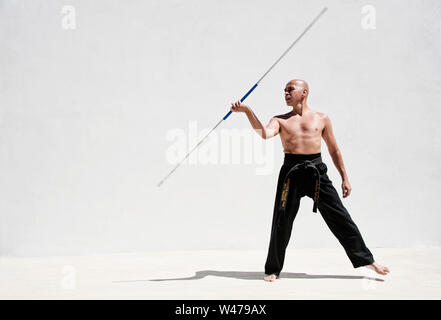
283 116
323 117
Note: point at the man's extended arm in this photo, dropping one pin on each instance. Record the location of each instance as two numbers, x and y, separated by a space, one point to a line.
271 130
334 151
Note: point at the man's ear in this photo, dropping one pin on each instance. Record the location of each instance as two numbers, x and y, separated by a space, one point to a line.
305 92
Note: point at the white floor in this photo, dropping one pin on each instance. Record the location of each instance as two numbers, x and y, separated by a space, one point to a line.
307 274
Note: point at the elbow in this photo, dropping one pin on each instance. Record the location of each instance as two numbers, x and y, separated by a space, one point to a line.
262 133
336 150
267 134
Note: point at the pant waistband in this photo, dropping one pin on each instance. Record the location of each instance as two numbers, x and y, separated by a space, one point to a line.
294 158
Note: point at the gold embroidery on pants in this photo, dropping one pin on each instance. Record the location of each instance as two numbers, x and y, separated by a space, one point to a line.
285 192
316 190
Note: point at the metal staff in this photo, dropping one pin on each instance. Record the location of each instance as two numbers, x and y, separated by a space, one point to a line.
248 93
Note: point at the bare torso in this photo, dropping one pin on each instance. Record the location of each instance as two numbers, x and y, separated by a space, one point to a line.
301 134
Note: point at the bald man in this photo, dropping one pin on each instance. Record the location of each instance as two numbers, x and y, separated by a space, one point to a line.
303 173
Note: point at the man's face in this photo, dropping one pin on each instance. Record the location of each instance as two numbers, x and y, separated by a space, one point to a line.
293 93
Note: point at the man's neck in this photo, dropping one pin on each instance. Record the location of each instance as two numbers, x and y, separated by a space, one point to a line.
299 109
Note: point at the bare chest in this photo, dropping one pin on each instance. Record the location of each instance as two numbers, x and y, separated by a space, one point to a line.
302 126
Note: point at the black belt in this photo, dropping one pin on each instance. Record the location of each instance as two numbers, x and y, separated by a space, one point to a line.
303 165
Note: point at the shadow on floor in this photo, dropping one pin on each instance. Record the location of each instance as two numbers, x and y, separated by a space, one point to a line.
250 275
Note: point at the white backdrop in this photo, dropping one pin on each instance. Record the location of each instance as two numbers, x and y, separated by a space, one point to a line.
93 97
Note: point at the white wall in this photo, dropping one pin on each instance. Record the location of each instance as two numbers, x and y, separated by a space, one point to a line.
85 113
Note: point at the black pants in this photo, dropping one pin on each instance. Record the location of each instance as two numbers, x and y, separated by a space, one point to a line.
330 207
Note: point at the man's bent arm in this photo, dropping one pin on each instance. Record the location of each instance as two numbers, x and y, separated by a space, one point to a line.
265 132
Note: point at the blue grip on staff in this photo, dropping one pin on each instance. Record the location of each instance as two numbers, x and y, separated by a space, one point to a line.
241 100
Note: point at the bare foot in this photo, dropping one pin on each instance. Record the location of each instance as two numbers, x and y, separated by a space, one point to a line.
271 278
378 268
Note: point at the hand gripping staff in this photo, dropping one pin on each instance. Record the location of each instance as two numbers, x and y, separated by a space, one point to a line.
248 93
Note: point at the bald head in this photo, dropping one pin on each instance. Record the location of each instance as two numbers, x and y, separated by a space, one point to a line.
296 91
299 83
